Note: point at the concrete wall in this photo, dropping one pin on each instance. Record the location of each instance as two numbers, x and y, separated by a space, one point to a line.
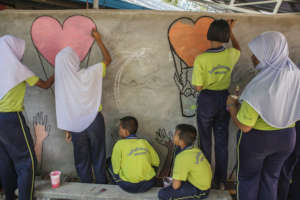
139 81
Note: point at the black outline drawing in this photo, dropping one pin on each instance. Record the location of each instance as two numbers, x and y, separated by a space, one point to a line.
163 137
182 69
62 26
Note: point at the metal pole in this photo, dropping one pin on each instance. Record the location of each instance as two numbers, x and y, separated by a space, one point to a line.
255 3
278 4
96 4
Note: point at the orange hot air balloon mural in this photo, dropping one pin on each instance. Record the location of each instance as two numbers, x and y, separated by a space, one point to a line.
187 39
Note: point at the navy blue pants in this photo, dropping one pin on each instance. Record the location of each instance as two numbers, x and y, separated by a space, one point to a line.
287 171
261 155
140 187
213 117
185 192
294 189
18 161
90 152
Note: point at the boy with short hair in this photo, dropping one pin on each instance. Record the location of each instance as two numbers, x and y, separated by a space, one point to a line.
192 173
133 159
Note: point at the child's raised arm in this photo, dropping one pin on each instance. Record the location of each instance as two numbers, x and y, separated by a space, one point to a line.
45 84
104 51
234 42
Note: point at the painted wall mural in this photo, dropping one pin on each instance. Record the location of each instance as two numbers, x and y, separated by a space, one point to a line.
49 36
187 39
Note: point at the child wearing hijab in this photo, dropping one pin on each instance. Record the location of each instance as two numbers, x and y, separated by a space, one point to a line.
78 110
270 106
17 155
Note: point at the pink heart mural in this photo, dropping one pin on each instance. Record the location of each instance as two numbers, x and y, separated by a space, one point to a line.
49 36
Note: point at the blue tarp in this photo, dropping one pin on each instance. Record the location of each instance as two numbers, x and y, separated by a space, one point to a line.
118 4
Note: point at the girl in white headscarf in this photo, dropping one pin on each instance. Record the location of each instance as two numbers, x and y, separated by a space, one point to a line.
270 106
78 110
17 155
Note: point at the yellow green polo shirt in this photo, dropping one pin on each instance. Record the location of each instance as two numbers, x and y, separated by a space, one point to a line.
133 160
248 116
103 75
192 166
13 101
212 70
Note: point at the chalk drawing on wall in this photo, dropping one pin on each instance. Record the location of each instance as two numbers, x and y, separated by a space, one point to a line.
187 39
41 132
49 36
163 137
137 56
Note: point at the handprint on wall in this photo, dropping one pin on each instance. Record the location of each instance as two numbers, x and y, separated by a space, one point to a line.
41 131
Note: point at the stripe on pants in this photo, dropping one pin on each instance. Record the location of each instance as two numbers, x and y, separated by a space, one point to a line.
31 155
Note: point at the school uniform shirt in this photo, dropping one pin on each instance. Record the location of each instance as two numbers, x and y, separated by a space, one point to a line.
132 160
103 75
248 116
213 68
192 166
13 101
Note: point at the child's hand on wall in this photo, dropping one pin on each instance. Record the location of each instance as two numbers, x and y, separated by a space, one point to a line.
231 23
41 129
96 34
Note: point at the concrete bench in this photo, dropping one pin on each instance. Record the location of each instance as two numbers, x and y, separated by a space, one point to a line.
69 190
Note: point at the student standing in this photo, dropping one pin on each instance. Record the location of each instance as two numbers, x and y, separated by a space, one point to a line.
212 76
18 161
269 109
78 110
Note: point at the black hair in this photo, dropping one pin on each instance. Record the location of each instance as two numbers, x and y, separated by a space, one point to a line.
219 31
187 133
129 123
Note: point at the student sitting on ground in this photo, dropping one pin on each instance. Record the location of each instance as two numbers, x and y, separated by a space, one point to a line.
133 159
192 173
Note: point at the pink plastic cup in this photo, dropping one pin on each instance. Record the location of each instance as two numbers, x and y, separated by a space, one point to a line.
55 179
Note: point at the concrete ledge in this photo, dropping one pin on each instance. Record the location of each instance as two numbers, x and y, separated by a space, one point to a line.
43 190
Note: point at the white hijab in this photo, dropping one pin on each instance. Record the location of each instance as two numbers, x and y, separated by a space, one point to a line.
275 92
77 91
12 71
